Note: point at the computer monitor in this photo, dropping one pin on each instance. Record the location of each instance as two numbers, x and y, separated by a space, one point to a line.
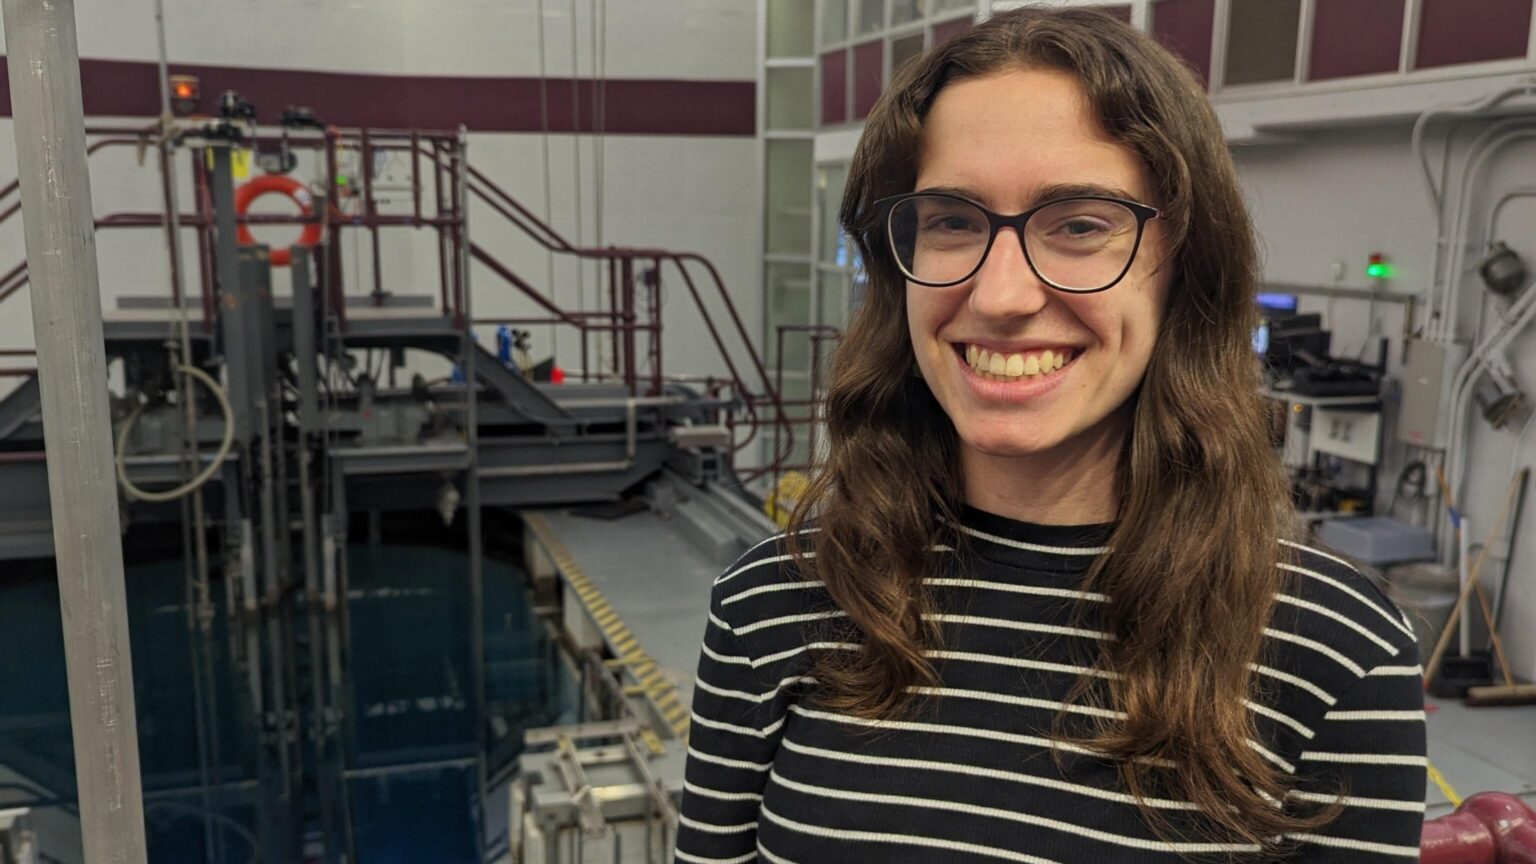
1272 305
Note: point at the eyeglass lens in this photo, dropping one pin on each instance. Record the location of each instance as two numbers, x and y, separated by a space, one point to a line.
1076 244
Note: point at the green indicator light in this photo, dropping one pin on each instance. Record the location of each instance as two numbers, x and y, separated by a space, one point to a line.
1378 271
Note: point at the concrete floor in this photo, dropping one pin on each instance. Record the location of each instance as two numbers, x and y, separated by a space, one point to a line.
1481 750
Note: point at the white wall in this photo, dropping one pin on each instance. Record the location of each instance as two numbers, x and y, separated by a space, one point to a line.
695 193
1341 194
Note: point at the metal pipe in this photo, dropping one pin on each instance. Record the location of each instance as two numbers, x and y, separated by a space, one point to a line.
336 290
613 304
627 299
442 236
553 470
370 212
204 233
472 480
14 287
517 282
653 298
416 175
61 253
458 264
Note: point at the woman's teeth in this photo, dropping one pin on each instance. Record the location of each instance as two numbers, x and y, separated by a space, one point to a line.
998 366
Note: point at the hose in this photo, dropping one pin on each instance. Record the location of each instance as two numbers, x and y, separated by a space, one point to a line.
207 473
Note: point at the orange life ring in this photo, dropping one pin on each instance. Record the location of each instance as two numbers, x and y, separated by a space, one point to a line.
283 184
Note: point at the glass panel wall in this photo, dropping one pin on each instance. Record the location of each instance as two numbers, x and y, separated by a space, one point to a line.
791 27
789 97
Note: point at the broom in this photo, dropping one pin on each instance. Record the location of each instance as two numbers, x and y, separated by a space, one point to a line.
1508 693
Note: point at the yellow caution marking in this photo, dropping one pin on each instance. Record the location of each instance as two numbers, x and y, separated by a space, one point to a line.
660 692
1445 787
649 737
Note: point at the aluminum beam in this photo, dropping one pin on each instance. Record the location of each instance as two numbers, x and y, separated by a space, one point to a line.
44 62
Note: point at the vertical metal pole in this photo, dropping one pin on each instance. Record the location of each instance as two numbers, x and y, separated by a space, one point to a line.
198 156
371 214
627 299
44 65
442 236
653 299
472 490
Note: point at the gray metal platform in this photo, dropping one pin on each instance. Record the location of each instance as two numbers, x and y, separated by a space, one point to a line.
653 576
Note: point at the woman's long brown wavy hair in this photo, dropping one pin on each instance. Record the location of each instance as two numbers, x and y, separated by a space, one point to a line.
1202 503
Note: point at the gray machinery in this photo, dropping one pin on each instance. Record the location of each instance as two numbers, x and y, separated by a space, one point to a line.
292 433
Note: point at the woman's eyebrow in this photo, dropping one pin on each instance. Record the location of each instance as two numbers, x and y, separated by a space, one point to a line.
1042 194
1058 191
959 191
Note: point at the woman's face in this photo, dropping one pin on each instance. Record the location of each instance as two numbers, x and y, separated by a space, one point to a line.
1005 140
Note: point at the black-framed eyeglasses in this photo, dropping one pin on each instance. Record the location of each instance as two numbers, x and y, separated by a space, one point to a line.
1080 244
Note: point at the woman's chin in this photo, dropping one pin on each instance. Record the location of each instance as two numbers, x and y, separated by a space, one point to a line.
1010 443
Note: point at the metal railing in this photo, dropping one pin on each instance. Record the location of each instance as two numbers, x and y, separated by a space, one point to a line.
633 275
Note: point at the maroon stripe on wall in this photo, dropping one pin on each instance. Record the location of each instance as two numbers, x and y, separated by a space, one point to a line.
120 88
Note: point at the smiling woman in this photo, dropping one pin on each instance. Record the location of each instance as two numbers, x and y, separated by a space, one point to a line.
1044 602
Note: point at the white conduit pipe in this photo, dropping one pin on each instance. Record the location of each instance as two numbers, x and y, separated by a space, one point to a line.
1486 144
1486 357
1454 422
1421 127
206 474
1483 148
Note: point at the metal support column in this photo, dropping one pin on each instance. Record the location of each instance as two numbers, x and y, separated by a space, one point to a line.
472 491
44 67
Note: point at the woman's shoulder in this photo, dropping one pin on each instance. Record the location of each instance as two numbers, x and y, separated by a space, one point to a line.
761 582
1330 617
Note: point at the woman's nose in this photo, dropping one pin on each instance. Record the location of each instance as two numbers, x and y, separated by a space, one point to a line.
1006 286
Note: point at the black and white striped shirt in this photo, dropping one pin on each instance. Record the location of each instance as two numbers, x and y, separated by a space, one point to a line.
970 777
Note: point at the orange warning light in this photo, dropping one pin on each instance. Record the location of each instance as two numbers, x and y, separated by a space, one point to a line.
184 94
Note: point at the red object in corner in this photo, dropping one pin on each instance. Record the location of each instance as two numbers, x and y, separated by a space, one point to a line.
1488 828
556 375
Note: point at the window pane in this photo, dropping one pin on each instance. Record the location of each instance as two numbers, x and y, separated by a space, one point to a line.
789 98
1185 27
834 87
1355 37
788 194
936 7
868 76
789 302
1450 32
904 51
829 189
903 11
834 309
1261 41
946 30
790 28
1119 10
871 16
834 21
